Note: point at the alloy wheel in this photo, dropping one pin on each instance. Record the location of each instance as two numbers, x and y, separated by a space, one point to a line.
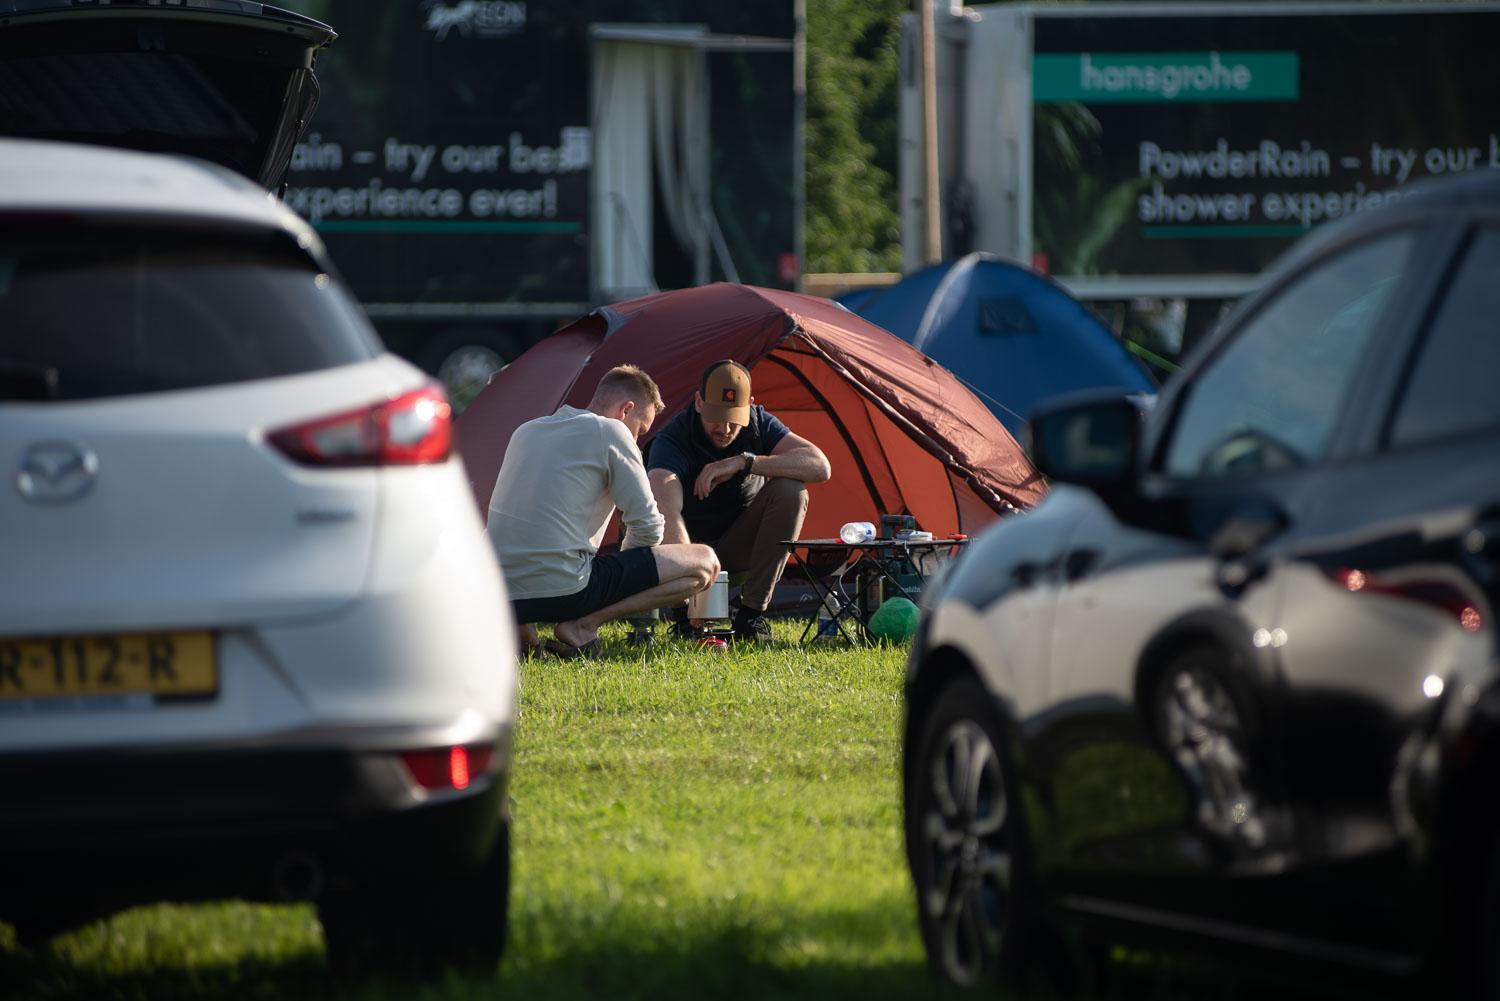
966 843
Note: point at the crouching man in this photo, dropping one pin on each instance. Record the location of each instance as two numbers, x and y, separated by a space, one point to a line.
726 472
563 477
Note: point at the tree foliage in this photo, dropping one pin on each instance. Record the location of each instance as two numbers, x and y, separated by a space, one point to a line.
853 62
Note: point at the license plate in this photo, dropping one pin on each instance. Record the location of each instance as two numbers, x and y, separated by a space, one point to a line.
162 664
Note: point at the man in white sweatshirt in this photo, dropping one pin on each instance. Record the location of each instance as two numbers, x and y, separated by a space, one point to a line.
562 478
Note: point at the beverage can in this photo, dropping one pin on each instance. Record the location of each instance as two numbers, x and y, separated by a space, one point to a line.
713 644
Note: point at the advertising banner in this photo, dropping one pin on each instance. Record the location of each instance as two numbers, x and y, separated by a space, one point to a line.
1205 145
450 157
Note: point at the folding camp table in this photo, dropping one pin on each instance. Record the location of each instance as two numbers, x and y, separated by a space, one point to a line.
875 564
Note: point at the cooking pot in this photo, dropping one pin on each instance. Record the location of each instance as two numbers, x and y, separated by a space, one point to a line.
713 602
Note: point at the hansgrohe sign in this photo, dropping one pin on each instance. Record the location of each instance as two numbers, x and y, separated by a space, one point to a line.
1200 140
1148 77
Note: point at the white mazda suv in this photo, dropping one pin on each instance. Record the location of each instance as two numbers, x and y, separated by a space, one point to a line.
253 639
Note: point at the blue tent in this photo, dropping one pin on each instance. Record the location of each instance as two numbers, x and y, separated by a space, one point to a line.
1012 336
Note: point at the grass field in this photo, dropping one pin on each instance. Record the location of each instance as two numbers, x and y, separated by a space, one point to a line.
687 824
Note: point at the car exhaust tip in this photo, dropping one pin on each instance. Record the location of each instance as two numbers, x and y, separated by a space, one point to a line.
296 876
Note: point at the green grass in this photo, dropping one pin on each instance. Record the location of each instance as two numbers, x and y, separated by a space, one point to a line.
687 824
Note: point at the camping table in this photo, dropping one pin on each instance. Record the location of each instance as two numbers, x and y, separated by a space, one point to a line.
872 563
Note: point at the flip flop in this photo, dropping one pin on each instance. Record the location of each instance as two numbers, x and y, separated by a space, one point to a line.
593 648
531 650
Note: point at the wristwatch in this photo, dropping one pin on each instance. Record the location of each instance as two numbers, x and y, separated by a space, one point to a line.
749 458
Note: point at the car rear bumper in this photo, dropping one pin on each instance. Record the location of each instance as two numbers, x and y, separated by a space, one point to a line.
95 831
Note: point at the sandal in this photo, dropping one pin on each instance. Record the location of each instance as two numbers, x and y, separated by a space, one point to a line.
593 648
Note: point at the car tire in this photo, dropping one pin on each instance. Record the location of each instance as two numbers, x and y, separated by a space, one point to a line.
976 903
465 360
421 927
1475 957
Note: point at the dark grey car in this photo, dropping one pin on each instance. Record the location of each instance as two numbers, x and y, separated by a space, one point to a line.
1235 681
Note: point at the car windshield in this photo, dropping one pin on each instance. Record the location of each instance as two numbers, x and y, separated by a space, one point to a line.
96 313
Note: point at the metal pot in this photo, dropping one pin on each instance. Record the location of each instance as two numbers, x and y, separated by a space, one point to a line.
713 602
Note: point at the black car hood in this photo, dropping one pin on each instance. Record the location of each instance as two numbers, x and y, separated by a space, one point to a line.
226 80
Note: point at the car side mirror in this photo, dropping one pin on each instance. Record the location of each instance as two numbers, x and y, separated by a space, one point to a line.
1091 440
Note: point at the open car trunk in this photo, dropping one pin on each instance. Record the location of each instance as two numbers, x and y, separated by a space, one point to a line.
228 81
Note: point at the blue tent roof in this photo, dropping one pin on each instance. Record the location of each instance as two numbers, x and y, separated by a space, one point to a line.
1011 335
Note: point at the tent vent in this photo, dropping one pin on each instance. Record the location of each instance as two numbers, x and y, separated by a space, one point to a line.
1005 315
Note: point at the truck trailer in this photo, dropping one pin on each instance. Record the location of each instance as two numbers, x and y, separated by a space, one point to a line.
1161 155
483 171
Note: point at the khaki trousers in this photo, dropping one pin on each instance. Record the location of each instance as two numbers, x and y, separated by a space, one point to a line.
753 543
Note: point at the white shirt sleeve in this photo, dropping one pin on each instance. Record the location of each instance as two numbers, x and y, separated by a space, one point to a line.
630 489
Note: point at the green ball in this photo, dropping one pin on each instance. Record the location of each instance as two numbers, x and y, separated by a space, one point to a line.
895 620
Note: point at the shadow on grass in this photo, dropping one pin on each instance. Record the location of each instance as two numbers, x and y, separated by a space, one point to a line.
723 962
623 962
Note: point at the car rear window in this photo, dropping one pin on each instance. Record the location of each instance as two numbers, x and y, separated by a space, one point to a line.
97 313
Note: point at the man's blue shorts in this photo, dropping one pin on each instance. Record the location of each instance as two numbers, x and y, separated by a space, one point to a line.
613 577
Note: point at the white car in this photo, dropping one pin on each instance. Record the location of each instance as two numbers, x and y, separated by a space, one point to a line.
253 639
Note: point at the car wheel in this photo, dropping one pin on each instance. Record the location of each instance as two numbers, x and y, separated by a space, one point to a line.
1205 729
1474 962
963 830
464 361
457 922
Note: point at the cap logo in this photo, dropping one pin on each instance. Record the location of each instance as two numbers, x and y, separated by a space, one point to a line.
728 395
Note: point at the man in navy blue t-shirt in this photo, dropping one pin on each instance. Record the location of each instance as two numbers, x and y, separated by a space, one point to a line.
727 473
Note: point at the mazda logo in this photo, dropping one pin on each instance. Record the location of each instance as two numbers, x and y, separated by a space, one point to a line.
55 472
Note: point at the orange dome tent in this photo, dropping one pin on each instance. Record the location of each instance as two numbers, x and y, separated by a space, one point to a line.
902 434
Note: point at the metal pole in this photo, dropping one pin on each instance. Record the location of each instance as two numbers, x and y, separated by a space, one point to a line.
702 206
799 140
932 240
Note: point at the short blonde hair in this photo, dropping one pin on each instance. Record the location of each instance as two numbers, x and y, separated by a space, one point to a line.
630 382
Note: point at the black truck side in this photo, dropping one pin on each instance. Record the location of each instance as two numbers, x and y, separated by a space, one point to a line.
485 170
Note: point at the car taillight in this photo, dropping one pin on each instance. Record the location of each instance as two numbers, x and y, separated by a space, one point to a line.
410 430
448 767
